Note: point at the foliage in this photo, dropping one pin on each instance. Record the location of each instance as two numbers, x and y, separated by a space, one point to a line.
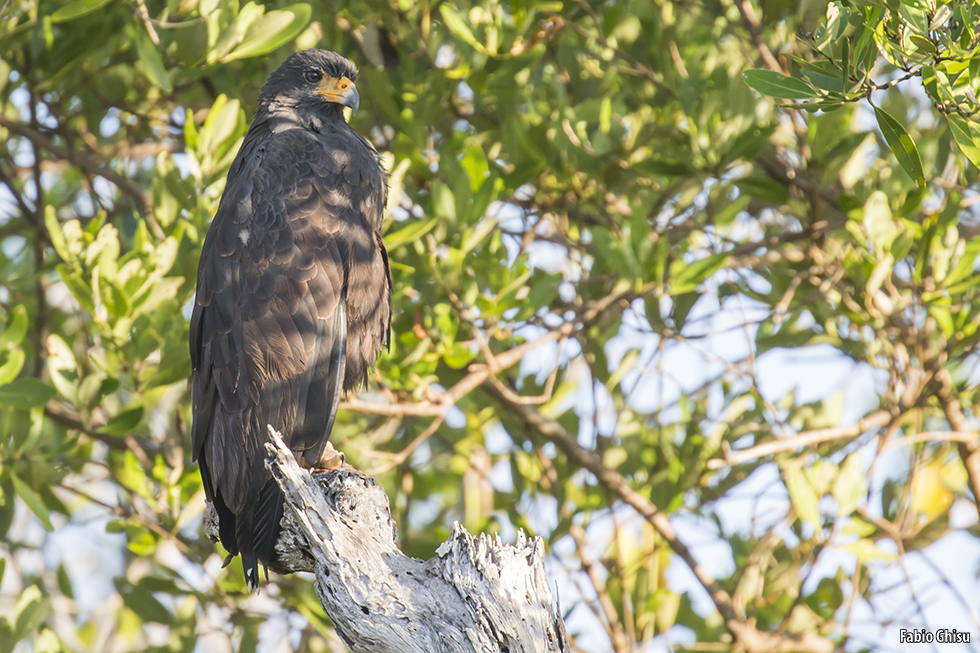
609 254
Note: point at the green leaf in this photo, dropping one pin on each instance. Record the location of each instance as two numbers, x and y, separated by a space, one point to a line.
271 31
152 62
458 26
944 319
78 287
26 393
62 367
665 167
32 500
116 526
174 367
32 609
964 264
966 133
395 184
763 188
922 44
802 496
76 9
47 642
685 277
132 476
64 582
458 356
605 115
833 84
474 162
141 600
879 223
54 232
850 484
682 307
192 41
779 86
443 201
220 123
233 34
901 145
867 551
12 366
833 28
411 233
124 423
859 527
163 290
15 329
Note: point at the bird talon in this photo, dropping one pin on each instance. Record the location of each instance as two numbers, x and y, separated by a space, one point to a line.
330 460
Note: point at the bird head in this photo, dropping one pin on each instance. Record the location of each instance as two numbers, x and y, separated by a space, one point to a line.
313 77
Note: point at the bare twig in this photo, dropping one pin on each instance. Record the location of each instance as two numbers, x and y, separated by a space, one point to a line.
933 436
614 629
805 439
754 27
21 202
145 15
478 374
403 455
969 450
122 512
549 385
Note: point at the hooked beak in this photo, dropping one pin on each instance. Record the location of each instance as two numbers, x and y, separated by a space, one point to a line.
352 100
341 91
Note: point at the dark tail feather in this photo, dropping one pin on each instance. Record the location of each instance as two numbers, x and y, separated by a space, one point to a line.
226 518
267 515
244 534
227 527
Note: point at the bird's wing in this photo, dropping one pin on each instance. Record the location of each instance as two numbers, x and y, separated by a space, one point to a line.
269 328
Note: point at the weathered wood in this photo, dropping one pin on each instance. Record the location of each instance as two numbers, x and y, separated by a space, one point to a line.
475 595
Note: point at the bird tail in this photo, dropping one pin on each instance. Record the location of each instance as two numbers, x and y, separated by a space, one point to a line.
266 525
244 537
257 530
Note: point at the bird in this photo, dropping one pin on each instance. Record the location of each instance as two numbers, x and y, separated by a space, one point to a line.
293 301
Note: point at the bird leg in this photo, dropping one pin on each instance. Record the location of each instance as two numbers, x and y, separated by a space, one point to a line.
329 461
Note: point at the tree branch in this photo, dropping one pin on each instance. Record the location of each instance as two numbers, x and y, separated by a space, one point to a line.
143 449
750 638
92 164
805 439
478 374
969 451
932 436
475 595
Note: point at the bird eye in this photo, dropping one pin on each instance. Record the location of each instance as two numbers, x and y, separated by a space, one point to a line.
312 76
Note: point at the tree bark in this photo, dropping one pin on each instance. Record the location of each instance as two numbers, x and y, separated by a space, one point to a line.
474 595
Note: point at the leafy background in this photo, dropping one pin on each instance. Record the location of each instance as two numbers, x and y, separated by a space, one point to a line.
685 288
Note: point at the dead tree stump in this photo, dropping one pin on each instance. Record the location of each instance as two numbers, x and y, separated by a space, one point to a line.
475 595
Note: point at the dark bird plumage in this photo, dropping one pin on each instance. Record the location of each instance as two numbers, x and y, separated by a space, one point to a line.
293 294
